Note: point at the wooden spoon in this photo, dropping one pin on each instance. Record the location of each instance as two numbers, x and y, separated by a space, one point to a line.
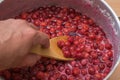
53 51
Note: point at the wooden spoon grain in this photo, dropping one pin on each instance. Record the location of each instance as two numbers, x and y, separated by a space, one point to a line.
53 51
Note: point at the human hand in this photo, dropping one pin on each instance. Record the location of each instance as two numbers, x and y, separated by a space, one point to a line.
17 37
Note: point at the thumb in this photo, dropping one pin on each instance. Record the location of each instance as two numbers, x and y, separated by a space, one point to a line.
42 39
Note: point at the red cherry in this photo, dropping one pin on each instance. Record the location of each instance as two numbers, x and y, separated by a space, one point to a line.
108 45
98 76
91 70
40 75
7 74
83 71
76 71
61 68
101 66
63 77
24 15
37 22
68 71
110 53
84 62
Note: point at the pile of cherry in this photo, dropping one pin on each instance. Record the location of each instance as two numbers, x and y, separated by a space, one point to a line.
86 42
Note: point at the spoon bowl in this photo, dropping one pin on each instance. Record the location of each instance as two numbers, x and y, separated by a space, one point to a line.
53 51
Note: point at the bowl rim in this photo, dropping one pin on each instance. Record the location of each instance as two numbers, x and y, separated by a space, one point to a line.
118 23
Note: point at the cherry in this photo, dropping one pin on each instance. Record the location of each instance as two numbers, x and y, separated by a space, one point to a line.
99 38
7 74
88 48
72 48
51 78
70 39
97 69
68 71
65 48
40 75
43 24
49 67
72 15
57 74
96 61
65 30
42 68
90 22
109 64
33 78
71 10
84 62
35 15
105 58
67 54
61 68
98 76
73 63
63 77
107 70
37 22
71 78
85 27
86 55
101 66
108 45
59 34
53 61
17 76
76 42
109 53
24 15
60 44
101 46
87 77
83 71
76 71
92 36
91 70
94 55
67 43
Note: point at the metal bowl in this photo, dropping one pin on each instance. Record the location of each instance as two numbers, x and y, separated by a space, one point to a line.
99 10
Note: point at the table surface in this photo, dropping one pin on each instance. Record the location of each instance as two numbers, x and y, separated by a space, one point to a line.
115 4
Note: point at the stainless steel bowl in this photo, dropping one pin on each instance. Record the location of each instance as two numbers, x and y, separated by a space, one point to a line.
99 10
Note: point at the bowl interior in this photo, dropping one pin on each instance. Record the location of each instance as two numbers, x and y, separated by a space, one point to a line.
96 9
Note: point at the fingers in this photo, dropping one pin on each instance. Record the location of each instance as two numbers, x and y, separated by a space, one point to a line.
44 41
39 37
29 60
31 32
33 26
